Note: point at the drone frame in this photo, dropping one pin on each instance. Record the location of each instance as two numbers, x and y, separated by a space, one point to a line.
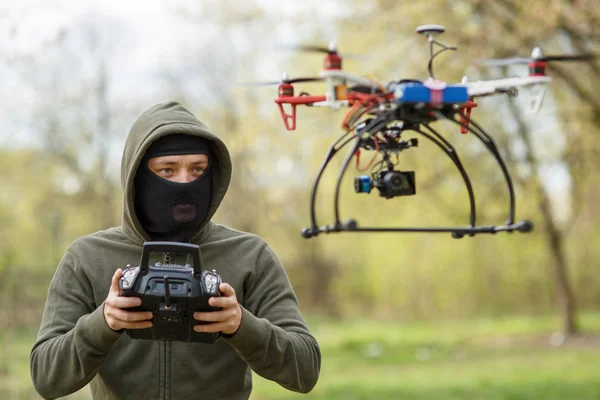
388 107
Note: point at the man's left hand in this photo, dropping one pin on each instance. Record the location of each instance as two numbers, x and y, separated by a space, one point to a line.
226 320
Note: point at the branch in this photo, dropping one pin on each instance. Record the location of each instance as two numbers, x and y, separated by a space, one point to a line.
579 89
579 38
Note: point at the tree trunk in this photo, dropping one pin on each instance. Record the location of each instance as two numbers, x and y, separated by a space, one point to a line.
564 295
565 300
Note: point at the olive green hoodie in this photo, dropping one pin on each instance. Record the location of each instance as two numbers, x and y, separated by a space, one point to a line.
75 346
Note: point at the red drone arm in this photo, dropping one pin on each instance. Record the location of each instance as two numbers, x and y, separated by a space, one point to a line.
465 111
286 97
299 99
290 119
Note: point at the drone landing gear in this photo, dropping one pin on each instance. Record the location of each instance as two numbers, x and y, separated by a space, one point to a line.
428 132
457 232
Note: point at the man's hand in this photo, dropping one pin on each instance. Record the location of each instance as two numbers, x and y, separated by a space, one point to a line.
116 317
226 320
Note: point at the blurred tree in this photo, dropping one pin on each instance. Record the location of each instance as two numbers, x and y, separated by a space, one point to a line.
506 28
555 236
74 98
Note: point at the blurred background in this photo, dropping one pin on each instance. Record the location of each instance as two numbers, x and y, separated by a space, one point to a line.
398 316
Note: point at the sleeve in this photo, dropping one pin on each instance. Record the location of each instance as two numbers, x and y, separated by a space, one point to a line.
273 337
74 339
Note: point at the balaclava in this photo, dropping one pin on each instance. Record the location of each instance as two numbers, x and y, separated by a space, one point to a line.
172 211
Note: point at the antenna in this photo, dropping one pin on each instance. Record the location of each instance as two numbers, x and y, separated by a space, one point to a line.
431 31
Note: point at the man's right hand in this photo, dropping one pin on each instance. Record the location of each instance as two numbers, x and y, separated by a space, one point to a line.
115 314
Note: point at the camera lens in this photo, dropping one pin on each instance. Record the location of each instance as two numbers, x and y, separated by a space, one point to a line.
397 181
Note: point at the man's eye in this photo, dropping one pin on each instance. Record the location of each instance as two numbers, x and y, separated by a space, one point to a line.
166 170
199 170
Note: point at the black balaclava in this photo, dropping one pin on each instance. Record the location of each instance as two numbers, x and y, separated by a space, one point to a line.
173 211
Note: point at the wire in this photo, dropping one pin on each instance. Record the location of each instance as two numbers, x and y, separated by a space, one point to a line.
376 165
353 110
373 158
375 82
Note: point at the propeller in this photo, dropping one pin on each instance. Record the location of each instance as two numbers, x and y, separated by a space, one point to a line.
536 55
310 48
284 79
331 49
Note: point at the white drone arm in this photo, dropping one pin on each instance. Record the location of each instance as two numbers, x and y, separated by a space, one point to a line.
331 103
486 88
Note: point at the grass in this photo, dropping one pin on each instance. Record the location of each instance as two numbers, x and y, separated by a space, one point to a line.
508 359
493 359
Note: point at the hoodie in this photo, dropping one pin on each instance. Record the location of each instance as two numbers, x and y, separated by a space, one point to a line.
76 347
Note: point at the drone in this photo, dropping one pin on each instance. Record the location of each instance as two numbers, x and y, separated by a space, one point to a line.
379 114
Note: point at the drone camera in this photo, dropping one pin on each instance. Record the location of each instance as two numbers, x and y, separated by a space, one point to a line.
390 183
397 183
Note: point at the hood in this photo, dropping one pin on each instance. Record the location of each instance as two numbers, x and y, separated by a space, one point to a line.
161 120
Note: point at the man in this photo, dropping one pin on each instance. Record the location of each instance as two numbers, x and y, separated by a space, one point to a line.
174 174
